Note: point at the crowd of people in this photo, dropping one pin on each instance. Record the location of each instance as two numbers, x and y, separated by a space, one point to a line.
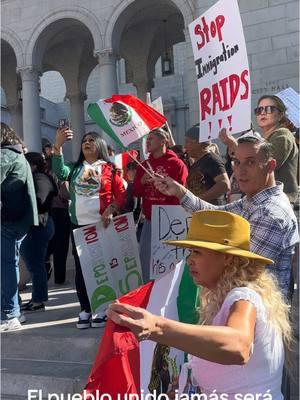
242 238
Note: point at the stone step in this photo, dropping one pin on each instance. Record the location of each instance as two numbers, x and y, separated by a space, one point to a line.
52 335
52 346
21 376
49 353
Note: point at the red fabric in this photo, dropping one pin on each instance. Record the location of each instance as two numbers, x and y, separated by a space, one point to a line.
126 159
116 369
151 117
112 188
167 165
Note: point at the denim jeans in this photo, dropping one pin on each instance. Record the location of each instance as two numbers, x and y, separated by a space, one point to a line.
34 250
10 246
59 244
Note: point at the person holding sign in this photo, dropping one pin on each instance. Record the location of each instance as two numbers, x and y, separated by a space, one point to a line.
96 193
163 162
271 118
244 323
274 228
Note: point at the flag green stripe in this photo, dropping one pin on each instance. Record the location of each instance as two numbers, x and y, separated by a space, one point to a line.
97 116
187 299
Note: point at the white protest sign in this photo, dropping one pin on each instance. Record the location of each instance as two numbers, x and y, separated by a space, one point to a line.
167 223
157 104
222 70
291 100
109 259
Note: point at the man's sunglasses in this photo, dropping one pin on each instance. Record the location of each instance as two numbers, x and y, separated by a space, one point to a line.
265 110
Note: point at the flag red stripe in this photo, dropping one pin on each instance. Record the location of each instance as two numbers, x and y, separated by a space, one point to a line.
116 369
151 117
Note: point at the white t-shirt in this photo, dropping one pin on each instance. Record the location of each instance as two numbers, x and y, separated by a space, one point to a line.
87 188
262 373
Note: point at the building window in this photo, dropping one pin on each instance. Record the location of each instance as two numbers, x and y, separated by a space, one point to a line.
167 62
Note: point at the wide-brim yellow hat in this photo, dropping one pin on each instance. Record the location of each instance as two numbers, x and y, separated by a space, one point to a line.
221 231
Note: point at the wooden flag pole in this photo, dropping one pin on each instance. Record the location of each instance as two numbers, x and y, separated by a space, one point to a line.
141 165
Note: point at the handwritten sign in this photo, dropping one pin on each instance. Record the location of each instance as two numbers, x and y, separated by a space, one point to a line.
291 100
222 70
167 223
109 259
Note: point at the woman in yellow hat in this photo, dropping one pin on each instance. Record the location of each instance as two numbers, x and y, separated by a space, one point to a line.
238 346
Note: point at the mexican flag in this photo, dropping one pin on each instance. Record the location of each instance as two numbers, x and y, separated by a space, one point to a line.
125 366
125 118
123 159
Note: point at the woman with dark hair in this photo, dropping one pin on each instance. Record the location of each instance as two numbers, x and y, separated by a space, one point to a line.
271 118
34 247
96 193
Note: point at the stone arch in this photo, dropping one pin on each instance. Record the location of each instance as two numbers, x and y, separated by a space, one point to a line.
184 6
15 43
88 19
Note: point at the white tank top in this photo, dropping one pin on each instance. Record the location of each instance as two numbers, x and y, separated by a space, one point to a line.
262 373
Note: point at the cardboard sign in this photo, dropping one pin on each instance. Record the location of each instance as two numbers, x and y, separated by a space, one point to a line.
167 223
109 259
157 104
222 70
291 100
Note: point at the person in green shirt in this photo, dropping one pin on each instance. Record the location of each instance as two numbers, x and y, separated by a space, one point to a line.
18 214
272 120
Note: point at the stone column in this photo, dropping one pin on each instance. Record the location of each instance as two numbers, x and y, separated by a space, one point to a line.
77 120
108 80
190 73
31 108
199 7
15 111
142 88
108 73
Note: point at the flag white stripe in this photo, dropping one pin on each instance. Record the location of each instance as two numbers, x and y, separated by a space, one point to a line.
132 131
161 302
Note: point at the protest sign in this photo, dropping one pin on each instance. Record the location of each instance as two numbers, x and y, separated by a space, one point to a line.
109 259
222 70
157 104
291 100
167 223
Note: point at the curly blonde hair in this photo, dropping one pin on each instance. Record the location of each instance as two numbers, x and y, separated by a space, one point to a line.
244 272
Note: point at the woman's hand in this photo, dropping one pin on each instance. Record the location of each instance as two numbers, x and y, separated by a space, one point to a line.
169 187
141 322
107 216
227 139
62 135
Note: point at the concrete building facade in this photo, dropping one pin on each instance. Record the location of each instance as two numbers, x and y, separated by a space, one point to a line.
58 56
